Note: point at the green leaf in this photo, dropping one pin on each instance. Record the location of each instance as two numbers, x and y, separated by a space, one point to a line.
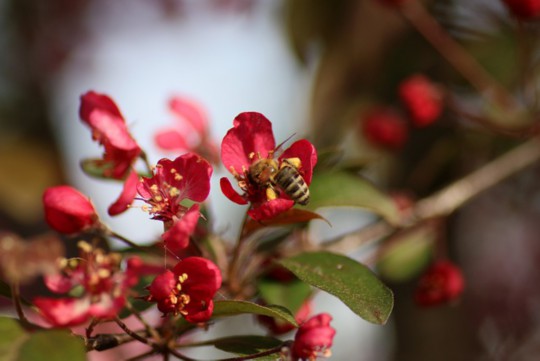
12 336
96 168
52 345
288 294
233 308
350 281
341 189
407 254
246 345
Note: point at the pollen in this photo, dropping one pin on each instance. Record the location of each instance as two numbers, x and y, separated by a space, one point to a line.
173 191
84 246
251 155
182 278
178 177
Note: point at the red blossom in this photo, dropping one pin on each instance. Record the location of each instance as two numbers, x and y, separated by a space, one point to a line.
109 128
523 9
103 282
250 144
127 195
314 338
422 98
384 128
191 132
441 283
67 210
188 289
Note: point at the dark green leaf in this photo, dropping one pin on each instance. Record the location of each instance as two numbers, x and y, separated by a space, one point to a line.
246 345
350 281
52 345
233 308
340 189
288 294
407 254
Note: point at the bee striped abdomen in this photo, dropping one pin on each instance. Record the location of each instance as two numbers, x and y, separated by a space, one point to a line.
292 183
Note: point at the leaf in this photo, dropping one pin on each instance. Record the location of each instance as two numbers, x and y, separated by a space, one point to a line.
139 304
407 254
350 281
96 168
292 216
52 345
288 294
339 189
246 345
233 308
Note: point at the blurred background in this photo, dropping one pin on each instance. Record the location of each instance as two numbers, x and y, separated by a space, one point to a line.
313 68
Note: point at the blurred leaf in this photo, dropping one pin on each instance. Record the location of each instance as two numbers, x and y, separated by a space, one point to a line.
233 308
52 345
138 304
350 281
407 254
288 294
12 336
96 167
338 189
292 216
248 345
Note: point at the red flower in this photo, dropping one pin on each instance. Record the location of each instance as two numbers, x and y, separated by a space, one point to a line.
104 288
523 9
109 128
67 210
191 133
247 151
422 98
314 338
188 289
279 327
384 128
441 283
187 177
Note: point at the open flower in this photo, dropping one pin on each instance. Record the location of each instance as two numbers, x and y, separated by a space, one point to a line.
188 289
422 98
67 210
104 288
314 338
185 178
441 283
109 128
191 132
247 151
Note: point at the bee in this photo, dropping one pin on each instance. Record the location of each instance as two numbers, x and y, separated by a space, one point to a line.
268 173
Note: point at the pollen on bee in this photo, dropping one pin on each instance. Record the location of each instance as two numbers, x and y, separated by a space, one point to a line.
270 194
295 162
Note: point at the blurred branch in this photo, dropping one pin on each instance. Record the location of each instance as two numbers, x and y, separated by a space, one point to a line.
447 200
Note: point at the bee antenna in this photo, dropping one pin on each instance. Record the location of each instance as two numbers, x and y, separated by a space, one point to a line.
285 141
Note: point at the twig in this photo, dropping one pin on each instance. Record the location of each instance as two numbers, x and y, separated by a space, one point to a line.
16 295
133 334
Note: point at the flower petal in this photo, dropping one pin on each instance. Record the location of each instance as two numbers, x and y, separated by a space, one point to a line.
252 135
177 237
171 139
63 312
191 112
67 210
92 100
307 153
204 277
228 190
126 197
270 209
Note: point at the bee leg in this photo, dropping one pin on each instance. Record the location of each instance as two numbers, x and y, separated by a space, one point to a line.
271 193
293 162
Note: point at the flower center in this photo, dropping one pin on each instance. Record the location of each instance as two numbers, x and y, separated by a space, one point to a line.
178 298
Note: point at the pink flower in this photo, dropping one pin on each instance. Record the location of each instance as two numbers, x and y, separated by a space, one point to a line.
191 133
441 283
384 128
188 289
247 151
185 178
67 210
109 128
523 9
422 98
314 338
104 288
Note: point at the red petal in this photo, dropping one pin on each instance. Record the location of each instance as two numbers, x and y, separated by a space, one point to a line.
191 112
201 316
92 100
162 285
270 209
63 312
228 190
251 136
107 307
126 197
67 210
177 237
307 153
204 277
171 139
58 283
113 129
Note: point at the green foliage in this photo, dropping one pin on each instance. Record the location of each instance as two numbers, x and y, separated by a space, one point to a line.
248 345
233 308
341 189
288 294
49 345
350 281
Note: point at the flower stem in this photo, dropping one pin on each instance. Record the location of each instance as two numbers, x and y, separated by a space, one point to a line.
133 334
16 295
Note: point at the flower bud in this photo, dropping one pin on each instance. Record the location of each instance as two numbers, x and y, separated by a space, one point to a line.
422 98
384 128
441 283
314 338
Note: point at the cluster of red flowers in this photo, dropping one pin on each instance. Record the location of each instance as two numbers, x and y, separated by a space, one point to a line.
188 288
423 101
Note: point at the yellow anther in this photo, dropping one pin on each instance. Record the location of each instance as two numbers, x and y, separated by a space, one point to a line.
104 273
182 278
251 155
179 287
154 188
178 177
173 170
158 198
62 263
174 299
84 246
73 263
174 192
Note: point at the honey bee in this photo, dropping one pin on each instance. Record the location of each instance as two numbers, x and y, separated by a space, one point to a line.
268 173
